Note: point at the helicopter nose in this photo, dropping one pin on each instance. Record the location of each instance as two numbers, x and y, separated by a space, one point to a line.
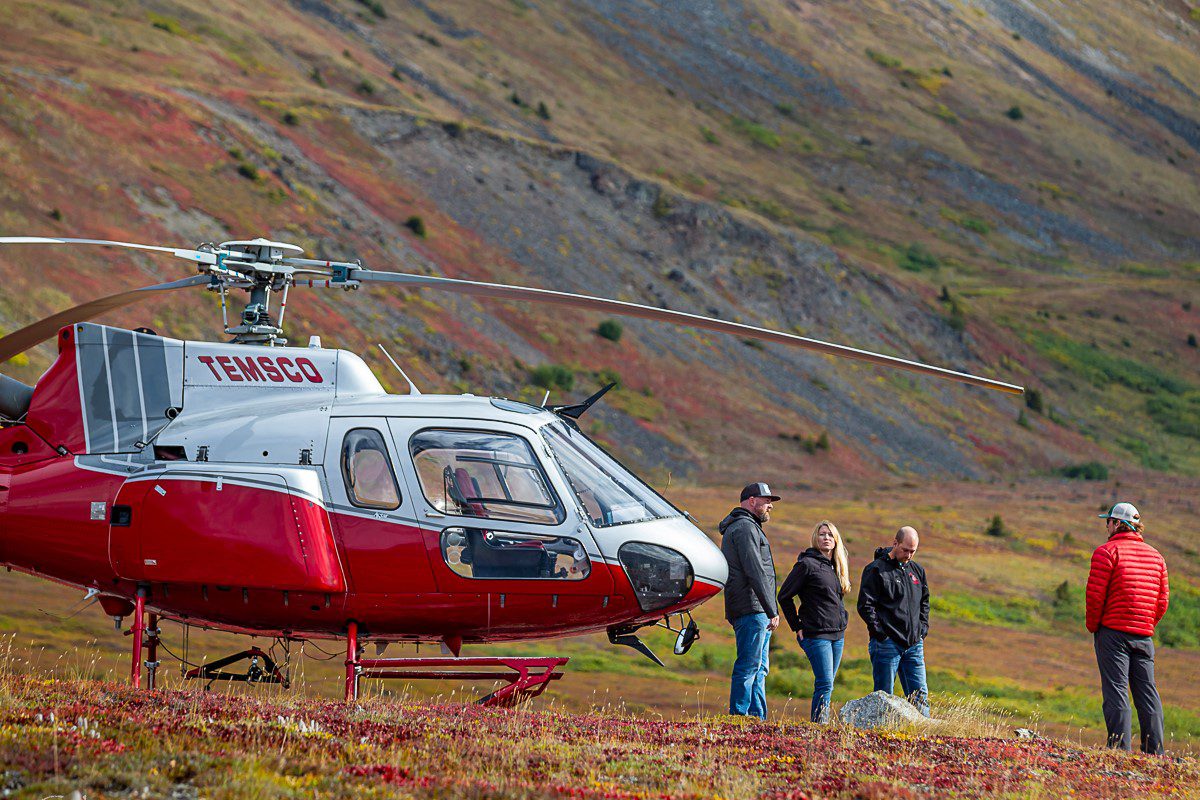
670 562
706 558
708 564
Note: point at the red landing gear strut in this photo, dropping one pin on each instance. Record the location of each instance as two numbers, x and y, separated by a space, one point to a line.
143 636
527 676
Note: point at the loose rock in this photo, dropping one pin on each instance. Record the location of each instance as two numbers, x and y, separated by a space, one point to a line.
880 710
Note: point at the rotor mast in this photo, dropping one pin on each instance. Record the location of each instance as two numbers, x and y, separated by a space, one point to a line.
260 263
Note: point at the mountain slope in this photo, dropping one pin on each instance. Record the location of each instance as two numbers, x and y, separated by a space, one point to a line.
990 186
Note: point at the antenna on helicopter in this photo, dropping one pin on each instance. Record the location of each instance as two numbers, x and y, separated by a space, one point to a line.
412 387
579 409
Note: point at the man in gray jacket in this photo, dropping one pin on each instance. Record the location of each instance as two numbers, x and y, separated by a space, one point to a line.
750 597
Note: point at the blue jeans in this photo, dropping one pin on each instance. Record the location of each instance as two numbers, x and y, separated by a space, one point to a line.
887 657
748 689
825 655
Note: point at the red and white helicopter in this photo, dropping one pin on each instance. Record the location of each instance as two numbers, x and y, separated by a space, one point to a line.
280 491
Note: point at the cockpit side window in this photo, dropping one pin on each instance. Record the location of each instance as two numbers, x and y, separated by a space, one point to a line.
484 474
367 471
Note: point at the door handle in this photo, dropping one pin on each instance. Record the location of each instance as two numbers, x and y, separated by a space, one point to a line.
434 514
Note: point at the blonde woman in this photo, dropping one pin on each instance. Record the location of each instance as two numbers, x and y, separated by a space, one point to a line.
819 580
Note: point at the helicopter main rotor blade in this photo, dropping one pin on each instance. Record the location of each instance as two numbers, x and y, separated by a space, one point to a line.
620 307
19 341
198 256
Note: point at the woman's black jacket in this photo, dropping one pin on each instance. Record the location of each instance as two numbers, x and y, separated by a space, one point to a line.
814 582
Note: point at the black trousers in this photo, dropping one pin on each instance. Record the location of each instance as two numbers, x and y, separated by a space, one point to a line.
1127 664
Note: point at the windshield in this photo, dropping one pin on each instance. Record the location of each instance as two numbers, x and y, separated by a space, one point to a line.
608 493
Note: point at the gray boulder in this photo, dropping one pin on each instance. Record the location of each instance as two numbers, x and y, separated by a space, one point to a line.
881 710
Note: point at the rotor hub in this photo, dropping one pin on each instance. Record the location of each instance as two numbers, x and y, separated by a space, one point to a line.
258 266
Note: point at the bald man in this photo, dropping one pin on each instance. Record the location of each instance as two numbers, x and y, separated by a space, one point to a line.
893 599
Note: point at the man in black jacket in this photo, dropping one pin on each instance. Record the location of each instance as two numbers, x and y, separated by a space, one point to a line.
893 599
750 597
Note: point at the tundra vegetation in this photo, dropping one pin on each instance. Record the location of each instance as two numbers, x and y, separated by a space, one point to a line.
750 165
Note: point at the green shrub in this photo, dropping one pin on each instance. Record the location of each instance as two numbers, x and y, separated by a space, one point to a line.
1016 611
942 112
758 134
957 319
810 444
1191 340
1022 420
610 329
542 110
1067 603
552 376
1033 401
1181 625
1062 594
606 376
917 258
1015 113
975 224
1087 471
417 226
248 171
316 77
708 135
365 87
1102 369
662 205
996 527
165 23
884 60
1177 415
290 118
376 8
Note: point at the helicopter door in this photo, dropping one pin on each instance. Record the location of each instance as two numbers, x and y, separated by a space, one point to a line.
495 524
373 509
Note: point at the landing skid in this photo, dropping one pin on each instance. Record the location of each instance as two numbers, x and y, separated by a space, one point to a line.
527 677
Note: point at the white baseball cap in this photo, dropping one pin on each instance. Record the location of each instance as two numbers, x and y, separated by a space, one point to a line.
1125 512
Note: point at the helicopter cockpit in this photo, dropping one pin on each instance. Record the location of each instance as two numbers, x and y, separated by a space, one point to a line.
542 501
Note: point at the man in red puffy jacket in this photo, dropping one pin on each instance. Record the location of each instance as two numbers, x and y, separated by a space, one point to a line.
1127 595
